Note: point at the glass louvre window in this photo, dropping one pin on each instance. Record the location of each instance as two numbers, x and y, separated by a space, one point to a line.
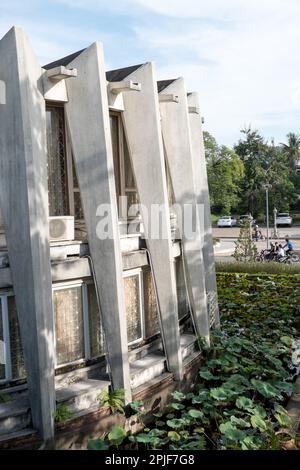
132 286
2 348
57 163
16 352
182 299
129 177
124 177
150 306
78 209
114 127
68 324
130 186
11 353
95 326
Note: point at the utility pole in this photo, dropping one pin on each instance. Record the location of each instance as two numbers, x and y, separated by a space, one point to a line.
267 186
275 226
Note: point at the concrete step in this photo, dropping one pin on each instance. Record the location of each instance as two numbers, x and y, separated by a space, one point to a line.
146 368
14 415
23 439
187 344
81 395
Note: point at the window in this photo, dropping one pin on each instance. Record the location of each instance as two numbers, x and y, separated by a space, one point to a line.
11 354
133 285
152 326
63 187
124 177
182 298
78 330
57 162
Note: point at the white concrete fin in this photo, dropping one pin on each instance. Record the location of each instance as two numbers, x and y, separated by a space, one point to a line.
168 98
2 92
123 86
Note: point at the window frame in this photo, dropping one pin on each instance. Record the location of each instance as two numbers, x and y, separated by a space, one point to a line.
6 336
67 155
124 190
139 273
85 317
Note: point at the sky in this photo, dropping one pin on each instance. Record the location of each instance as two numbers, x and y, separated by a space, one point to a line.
242 57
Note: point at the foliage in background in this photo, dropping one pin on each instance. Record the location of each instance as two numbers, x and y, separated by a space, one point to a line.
225 172
236 176
246 376
245 247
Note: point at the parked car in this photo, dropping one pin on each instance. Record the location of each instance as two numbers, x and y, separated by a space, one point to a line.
227 221
284 218
249 217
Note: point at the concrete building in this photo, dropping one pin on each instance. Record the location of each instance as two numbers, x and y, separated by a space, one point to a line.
91 297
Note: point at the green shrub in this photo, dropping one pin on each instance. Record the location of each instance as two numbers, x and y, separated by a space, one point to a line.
62 414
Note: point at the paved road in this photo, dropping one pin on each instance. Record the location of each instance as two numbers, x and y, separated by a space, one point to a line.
233 232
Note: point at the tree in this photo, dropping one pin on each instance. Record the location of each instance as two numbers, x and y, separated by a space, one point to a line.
225 172
292 149
245 248
264 163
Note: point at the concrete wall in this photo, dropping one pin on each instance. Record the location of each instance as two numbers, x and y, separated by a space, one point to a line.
202 193
142 128
177 144
24 202
88 120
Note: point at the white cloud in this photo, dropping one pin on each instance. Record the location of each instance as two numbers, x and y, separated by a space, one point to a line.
242 57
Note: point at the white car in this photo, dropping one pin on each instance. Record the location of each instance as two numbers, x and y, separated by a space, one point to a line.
226 221
284 218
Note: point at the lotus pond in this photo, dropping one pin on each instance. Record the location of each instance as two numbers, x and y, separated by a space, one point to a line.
246 378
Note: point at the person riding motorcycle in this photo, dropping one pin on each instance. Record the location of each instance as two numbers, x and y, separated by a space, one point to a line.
288 247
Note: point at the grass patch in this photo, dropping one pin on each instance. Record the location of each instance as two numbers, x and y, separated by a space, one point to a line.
255 268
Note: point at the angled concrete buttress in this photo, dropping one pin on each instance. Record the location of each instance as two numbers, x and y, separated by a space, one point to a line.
89 127
177 145
24 203
202 192
142 128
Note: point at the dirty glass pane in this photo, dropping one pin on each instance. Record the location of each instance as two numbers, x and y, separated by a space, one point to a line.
16 351
57 165
129 176
78 206
95 326
150 306
133 308
181 289
114 125
68 325
2 358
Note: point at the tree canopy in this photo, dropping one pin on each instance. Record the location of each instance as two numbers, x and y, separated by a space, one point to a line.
237 176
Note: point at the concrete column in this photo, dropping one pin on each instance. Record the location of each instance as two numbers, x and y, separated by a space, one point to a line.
142 127
176 138
88 120
202 192
24 204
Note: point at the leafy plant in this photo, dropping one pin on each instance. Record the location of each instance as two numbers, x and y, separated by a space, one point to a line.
114 401
62 414
245 379
5 398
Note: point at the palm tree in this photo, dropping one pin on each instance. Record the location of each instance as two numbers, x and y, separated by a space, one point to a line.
292 149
